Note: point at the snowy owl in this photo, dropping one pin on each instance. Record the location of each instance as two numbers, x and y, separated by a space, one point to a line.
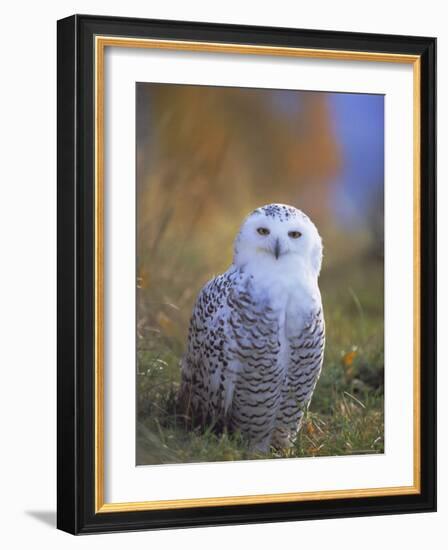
256 338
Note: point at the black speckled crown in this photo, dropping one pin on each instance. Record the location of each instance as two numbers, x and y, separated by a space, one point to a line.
281 212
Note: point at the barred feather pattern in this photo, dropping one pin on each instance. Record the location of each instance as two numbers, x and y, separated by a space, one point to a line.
306 353
245 367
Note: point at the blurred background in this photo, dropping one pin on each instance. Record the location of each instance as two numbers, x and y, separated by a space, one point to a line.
206 157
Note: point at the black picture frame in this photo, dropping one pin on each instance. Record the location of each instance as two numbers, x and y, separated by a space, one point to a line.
76 255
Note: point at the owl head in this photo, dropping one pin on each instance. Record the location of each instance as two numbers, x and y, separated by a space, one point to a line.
281 237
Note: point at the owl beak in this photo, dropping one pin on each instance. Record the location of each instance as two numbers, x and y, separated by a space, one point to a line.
277 249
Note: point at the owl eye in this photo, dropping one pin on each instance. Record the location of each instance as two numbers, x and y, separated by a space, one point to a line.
263 231
295 234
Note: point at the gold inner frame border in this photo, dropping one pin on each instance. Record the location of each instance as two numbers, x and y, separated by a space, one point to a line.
100 44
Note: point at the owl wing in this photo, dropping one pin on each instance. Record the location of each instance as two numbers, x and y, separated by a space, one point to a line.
230 373
206 386
305 364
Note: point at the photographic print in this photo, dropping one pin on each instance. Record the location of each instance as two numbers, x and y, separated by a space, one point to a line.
260 273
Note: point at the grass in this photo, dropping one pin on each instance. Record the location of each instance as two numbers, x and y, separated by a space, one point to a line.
346 413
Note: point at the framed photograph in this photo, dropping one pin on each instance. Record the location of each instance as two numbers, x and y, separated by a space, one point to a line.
246 274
